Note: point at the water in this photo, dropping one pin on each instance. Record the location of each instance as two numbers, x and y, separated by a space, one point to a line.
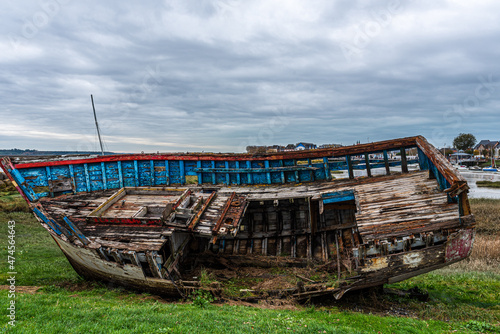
481 192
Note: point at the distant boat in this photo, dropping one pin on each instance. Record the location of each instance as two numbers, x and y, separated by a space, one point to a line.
493 167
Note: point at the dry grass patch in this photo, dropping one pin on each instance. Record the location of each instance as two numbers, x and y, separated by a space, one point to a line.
487 213
485 256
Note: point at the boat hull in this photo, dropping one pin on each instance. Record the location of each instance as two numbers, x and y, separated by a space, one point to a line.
138 220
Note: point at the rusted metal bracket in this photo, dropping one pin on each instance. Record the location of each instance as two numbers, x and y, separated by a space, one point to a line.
217 226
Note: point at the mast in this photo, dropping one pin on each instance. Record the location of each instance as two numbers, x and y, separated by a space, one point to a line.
97 125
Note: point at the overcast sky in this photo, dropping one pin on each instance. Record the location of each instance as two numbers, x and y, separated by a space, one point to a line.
197 75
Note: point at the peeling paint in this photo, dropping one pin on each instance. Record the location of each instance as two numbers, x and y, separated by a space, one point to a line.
459 246
375 264
412 260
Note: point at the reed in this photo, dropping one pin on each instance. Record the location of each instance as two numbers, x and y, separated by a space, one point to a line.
487 213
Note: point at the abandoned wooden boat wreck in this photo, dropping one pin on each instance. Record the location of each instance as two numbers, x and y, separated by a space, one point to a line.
158 222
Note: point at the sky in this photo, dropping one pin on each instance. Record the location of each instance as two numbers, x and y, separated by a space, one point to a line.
199 75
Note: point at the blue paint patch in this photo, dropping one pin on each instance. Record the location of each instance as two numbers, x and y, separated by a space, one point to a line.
128 173
175 172
52 224
95 176
112 175
304 176
144 172
319 174
189 167
160 172
276 177
80 178
339 196
76 231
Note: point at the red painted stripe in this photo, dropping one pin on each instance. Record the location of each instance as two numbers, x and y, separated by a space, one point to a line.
307 154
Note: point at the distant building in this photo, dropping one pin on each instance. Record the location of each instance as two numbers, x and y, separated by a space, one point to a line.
305 146
488 146
279 148
330 146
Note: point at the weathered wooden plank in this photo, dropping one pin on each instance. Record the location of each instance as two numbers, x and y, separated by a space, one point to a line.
196 218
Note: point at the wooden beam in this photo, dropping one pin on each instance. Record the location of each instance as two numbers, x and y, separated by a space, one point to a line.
386 162
182 172
268 174
404 162
152 169
311 154
73 179
103 173
367 163
443 165
87 177
120 173
200 174
349 166
137 182
328 174
167 173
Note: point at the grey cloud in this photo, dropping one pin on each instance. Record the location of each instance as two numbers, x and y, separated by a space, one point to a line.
215 75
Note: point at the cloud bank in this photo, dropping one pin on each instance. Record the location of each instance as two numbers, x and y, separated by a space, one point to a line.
221 75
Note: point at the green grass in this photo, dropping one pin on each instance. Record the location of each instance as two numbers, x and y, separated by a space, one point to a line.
488 163
38 260
456 296
11 200
104 311
463 302
489 184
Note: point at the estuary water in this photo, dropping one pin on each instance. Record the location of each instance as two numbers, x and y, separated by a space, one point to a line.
481 192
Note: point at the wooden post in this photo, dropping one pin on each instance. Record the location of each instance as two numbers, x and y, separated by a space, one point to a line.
328 174
214 178
282 173
386 162
200 175
103 171
238 176
367 163
404 163
73 180
182 172
268 174
349 166
87 177
120 173
137 183
167 173
152 168
249 175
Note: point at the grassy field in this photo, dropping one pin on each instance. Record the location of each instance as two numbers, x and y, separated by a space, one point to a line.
488 184
51 298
